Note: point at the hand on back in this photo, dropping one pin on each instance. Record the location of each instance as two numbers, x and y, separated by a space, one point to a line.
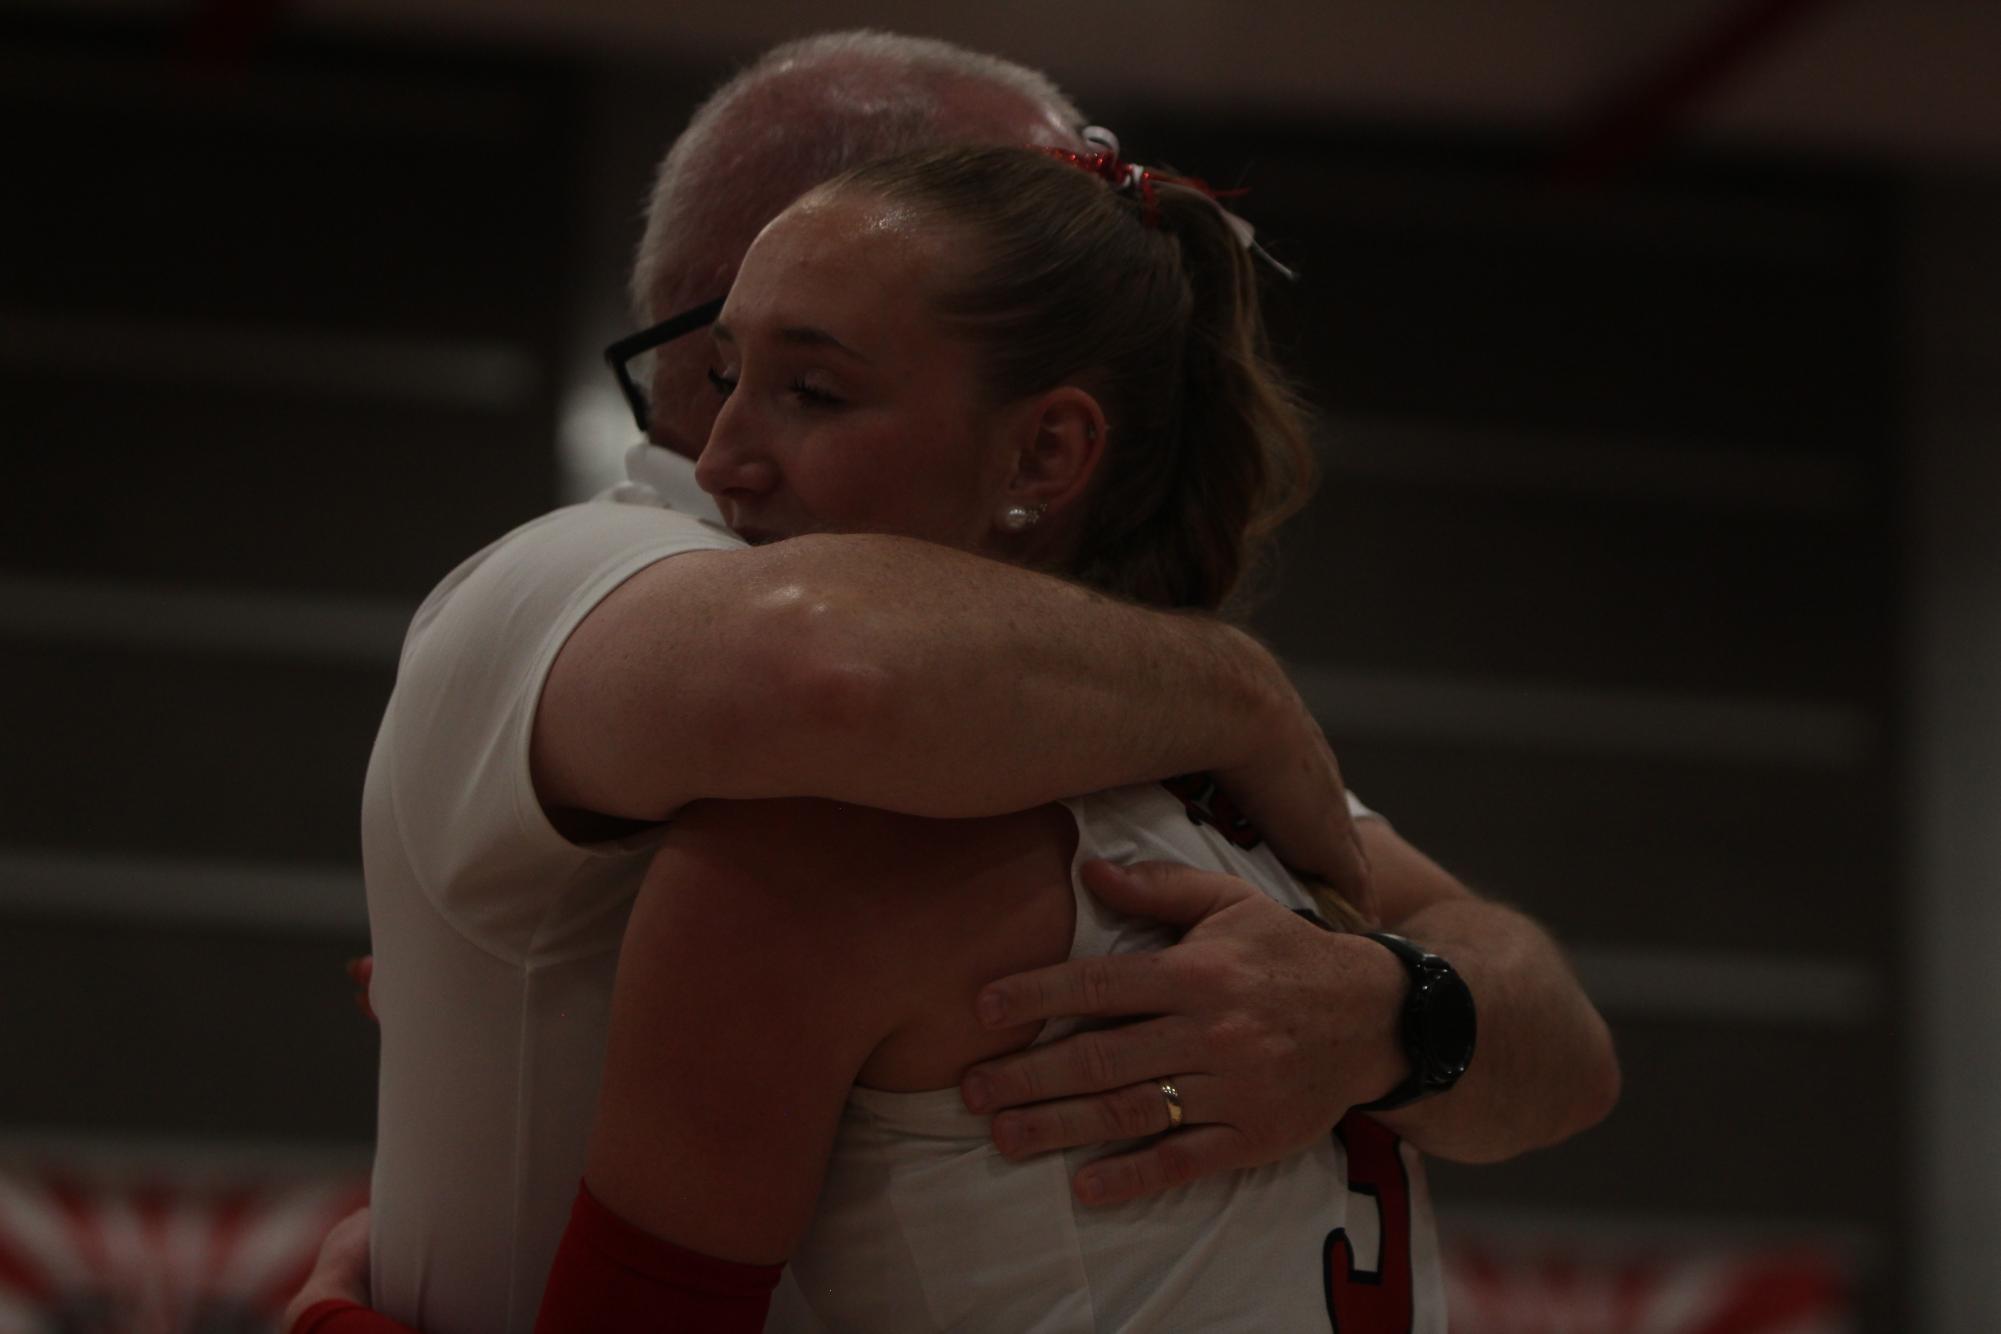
1269 1028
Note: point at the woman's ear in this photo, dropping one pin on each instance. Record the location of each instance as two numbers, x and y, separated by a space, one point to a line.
1060 443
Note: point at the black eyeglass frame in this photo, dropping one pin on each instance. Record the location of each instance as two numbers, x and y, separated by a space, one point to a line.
618 355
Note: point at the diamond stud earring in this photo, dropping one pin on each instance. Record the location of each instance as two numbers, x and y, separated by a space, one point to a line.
1020 518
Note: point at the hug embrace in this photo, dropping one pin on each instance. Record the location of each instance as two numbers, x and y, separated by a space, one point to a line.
792 907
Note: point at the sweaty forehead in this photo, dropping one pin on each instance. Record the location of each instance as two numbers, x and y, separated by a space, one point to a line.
851 269
846 239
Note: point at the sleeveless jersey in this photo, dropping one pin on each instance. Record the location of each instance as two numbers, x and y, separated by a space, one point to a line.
950 1235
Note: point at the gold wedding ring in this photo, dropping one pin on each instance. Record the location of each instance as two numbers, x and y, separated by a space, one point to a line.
1173 1096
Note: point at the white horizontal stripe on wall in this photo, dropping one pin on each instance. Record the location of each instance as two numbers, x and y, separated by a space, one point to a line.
32 1149
1728 984
1589 1232
1553 717
127 891
1441 455
354 630
462 373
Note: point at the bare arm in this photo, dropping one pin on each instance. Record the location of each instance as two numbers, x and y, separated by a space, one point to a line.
1296 1025
1544 1068
744 1010
917 679
726 1065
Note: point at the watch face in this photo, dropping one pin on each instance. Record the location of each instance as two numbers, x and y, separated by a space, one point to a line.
1447 1026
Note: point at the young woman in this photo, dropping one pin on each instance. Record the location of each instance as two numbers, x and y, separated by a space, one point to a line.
1041 358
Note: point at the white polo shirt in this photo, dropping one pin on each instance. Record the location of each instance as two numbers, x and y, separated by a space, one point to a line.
495 937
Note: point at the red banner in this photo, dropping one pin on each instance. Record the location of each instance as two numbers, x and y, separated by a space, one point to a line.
152 1251
160 1251
1529 1286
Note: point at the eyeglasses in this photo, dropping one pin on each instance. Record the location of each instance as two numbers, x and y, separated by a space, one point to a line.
631 361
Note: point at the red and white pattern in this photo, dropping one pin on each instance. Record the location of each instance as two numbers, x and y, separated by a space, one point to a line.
1545 1287
157 1252
160 1251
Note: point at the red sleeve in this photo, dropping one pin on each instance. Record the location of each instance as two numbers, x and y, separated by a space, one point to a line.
610 1277
339 1317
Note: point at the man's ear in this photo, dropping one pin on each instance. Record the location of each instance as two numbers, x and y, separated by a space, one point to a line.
1060 444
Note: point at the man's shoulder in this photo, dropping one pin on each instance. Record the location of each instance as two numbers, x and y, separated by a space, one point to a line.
592 533
570 555
481 646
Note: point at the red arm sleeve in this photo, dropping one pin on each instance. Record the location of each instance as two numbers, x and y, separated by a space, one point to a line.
610 1277
342 1317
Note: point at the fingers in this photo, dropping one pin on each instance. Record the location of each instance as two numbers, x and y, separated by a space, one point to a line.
1170 1161
1100 1061
1165 891
1106 984
1133 1112
361 972
346 1245
1354 879
1120 984
340 1271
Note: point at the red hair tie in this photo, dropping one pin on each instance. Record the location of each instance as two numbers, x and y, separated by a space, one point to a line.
1124 177
1131 177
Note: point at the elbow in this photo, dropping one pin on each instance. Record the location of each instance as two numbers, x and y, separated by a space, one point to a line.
1562 1093
1584 1087
838 700
1602 1084
815 674
1594 1084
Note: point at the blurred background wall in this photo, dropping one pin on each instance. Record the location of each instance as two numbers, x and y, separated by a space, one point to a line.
1654 586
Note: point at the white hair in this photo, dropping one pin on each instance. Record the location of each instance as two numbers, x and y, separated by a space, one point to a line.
801 114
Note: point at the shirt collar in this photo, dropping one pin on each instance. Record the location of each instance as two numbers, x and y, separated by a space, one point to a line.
657 476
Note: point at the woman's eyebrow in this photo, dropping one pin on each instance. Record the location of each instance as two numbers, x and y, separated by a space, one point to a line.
796 335
808 336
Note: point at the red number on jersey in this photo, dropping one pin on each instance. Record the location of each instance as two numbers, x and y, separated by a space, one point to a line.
1370 1292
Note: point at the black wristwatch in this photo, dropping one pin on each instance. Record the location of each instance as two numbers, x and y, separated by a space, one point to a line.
1438 1027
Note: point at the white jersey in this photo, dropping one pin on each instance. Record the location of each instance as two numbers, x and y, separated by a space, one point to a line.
495 938
922 1225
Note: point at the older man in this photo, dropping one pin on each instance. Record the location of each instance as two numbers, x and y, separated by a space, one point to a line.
566 689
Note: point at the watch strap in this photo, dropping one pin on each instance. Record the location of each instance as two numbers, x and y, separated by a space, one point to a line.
1425 970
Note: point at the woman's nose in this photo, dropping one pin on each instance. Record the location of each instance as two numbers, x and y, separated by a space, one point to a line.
734 461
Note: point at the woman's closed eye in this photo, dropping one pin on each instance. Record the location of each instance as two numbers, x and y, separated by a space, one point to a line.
802 389
814 395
